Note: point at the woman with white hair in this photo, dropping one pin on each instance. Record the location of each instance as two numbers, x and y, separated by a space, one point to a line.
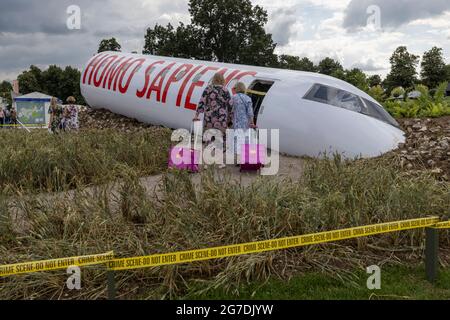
242 115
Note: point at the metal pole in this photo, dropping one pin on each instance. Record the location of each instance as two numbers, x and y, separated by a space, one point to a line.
432 254
111 285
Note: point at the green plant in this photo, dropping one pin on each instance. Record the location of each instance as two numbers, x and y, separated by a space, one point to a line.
377 92
426 105
397 92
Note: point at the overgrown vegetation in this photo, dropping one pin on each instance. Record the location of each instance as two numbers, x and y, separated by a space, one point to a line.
41 162
426 105
132 221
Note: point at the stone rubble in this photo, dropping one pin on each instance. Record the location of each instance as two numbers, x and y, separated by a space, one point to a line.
427 145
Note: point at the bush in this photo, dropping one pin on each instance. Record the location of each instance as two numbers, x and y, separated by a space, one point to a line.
377 92
426 105
397 92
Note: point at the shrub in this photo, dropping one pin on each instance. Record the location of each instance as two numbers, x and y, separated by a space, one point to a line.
426 105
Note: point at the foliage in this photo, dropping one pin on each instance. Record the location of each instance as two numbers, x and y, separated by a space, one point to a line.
398 92
433 68
375 80
403 69
225 31
330 66
296 63
447 72
427 105
109 45
54 81
5 91
357 78
377 92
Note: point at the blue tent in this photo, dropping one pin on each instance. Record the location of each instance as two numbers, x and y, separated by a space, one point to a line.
32 109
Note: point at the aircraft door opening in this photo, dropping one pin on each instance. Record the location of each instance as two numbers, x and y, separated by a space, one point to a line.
258 91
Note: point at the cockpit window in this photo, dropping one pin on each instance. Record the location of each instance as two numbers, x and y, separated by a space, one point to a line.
336 97
376 111
349 101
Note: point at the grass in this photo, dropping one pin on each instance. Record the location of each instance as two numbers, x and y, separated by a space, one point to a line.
132 221
40 162
397 282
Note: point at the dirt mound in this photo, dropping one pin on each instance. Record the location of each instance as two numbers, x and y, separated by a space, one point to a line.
104 119
427 145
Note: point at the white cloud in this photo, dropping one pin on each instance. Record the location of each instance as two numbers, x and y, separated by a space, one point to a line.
36 34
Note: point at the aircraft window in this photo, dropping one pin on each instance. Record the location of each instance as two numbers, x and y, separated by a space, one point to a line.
349 101
336 97
376 111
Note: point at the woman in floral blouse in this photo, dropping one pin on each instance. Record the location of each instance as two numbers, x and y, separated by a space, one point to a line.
71 115
215 104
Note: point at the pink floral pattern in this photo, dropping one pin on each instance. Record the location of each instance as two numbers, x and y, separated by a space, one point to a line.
216 105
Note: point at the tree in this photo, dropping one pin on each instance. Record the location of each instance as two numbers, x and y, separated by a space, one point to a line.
183 42
31 80
433 68
447 72
377 92
5 86
403 69
54 81
357 78
375 80
5 91
221 30
109 45
295 63
330 67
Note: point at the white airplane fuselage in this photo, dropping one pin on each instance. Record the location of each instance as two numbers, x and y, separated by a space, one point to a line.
316 114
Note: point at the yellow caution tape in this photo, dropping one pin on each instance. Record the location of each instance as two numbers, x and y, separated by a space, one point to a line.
442 225
55 264
259 93
268 245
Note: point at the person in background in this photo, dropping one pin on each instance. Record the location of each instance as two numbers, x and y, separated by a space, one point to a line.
242 115
7 115
13 120
2 118
71 115
56 116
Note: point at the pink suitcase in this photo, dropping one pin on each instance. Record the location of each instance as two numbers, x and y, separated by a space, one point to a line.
184 159
253 154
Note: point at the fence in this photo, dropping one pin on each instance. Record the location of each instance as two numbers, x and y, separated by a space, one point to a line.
431 224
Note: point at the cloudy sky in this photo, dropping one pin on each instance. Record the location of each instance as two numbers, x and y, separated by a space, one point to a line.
359 33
